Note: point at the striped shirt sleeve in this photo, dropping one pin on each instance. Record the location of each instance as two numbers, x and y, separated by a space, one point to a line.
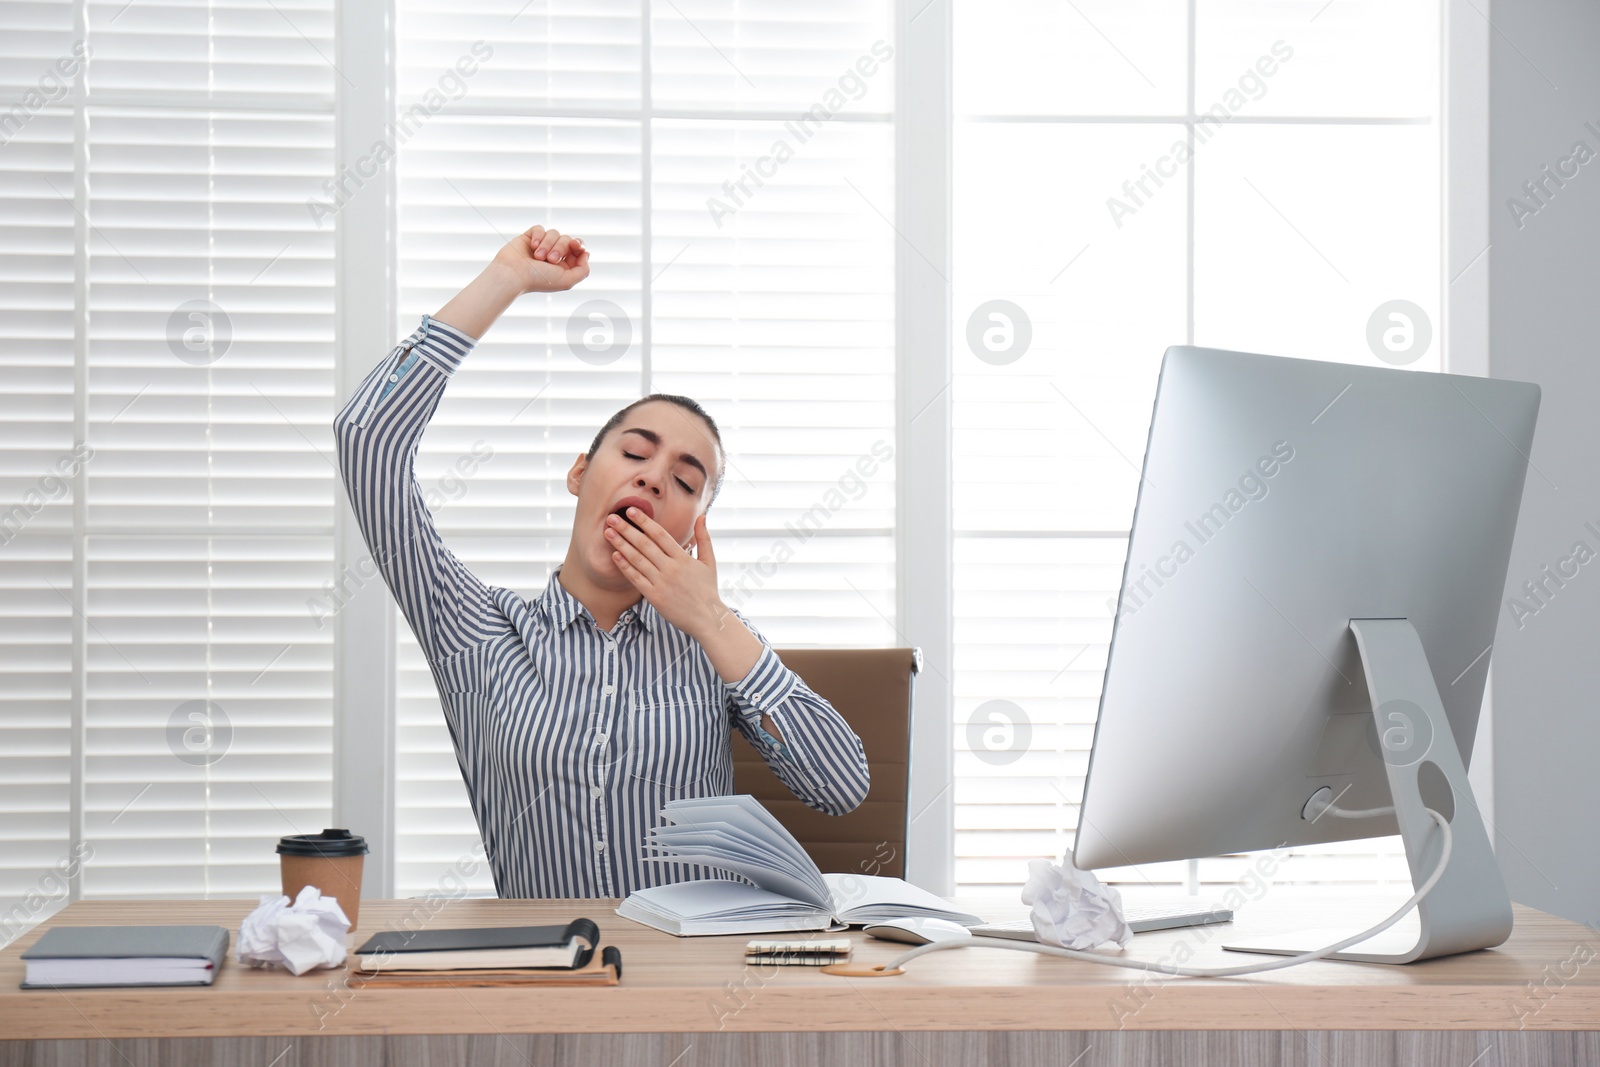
377 434
820 758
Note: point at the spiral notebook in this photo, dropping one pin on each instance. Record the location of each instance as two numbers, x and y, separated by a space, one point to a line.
480 947
603 968
488 956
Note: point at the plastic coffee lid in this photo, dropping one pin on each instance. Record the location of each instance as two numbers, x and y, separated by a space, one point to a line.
330 844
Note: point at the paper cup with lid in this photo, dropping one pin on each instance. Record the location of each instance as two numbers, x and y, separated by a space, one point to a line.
331 861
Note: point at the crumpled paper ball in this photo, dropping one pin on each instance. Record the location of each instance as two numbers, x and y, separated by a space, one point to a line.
1072 909
299 937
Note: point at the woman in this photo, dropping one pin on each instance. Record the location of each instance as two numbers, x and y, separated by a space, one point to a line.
577 715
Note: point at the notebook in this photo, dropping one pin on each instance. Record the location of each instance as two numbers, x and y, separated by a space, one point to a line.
784 891
480 948
124 956
603 968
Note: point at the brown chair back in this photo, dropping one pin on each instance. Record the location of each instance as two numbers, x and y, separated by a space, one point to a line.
871 688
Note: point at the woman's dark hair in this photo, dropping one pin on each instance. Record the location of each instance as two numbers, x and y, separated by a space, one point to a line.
686 404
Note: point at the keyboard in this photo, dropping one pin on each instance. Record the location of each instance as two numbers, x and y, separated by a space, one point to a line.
1142 918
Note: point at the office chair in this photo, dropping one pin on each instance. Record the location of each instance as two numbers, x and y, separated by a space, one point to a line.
872 689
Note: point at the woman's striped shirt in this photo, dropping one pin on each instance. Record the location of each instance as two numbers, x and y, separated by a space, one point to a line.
570 738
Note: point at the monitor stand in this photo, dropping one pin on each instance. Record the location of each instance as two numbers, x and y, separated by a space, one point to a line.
1468 909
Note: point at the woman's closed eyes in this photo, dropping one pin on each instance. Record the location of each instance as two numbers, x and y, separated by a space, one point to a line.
686 487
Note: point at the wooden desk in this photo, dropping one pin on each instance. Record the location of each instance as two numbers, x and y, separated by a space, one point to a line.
687 1001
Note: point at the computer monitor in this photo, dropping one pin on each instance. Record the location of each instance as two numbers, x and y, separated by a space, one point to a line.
1312 540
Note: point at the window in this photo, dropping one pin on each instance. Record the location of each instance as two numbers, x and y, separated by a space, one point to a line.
1211 173
1125 177
167 373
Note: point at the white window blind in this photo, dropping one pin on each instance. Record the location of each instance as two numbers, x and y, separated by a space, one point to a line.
1315 201
619 122
175 314
37 462
208 709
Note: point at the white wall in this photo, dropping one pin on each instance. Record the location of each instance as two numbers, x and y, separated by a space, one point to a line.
1544 286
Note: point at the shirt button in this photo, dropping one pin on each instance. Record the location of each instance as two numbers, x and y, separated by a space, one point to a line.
608 689
394 377
599 846
755 696
594 791
600 738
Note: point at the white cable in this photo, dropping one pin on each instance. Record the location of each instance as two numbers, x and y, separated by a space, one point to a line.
1330 808
1357 813
1206 972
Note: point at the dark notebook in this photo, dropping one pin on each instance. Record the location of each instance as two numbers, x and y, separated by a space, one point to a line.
603 968
476 947
125 956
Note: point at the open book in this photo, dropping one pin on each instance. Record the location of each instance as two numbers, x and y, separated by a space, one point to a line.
738 835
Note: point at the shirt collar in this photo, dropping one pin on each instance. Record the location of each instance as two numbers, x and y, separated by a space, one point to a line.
563 608
560 605
648 615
